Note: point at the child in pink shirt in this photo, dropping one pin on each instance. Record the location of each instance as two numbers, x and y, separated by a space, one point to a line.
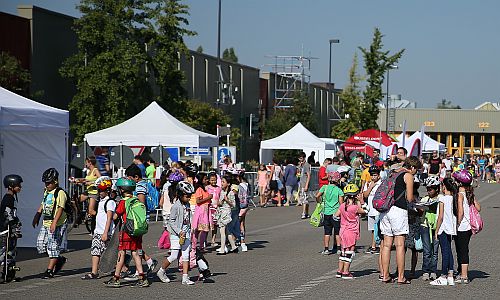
214 190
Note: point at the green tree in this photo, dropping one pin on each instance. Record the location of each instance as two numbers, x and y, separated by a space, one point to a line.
352 99
230 55
377 62
446 104
12 75
199 49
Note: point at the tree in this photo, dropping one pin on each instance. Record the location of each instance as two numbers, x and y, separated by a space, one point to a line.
351 98
230 55
199 49
377 62
12 75
446 104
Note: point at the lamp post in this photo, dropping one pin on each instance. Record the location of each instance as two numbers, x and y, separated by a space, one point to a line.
333 41
387 99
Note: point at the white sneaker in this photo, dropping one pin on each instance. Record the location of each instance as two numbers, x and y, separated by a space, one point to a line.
244 247
187 281
450 280
219 249
163 277
425 277
433 276
440 281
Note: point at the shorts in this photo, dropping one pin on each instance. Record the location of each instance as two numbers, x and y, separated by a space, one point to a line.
331 225
371 222
304 196
131 243
98 245
394 222
50 242
273 185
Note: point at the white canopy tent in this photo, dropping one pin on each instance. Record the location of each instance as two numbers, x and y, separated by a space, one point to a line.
428 144
153 126
33 138
298 137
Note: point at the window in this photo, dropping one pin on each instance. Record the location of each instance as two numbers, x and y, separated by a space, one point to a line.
455 140
433 136
444 139
487 140
467 140
477 141
497 140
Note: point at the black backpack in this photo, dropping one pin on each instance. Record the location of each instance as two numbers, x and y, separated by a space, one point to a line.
68 207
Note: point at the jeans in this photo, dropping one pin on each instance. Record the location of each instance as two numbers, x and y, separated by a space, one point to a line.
447 255
430 255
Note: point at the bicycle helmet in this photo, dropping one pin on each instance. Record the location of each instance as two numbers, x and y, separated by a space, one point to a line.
12 180
374 170
432 181
462 176
343 169
192 170
125 184
333 176
185 188
351 190
103 183
50 175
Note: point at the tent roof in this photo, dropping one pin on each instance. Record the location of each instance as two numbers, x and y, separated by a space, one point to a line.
17 112
298 137
428 144
370 135
152 127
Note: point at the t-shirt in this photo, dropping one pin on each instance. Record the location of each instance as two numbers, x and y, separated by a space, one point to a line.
372 212
7 210
365 175
201 193
150 171
143 170
103 206
48 211
332 168
400 191
447 164
465 224
141 188
102 161
331 194
322 173
449 225
434 165
305 169
215 192
430 216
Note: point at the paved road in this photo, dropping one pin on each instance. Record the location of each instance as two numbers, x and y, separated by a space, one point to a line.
283 262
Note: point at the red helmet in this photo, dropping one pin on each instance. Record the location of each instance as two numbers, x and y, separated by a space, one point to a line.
104 185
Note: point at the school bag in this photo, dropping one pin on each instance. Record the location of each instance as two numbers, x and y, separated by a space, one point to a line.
135 224
317 216
476 222
153 197
68 206
384 198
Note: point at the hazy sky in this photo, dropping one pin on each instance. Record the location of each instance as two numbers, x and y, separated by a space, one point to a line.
452 46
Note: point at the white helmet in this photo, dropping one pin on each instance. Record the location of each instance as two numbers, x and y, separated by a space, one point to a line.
432 181
185 187
343 169
102 178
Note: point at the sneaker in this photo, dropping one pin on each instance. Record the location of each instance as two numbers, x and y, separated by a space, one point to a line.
48 274
425 277
61 260
162 276
219 249
347 276
113 282
370 250
303 216
460 280
152 267
433 276
142 282
339 252
440 281
187 281
244 247
131 277
338 275
376 250
326 252
90 276
450 280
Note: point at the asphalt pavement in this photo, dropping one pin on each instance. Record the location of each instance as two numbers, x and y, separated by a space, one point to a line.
283 262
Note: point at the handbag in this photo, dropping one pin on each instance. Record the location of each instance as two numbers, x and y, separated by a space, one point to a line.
419 245
318 216
164 241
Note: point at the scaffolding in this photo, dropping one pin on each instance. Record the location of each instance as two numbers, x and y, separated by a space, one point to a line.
291 77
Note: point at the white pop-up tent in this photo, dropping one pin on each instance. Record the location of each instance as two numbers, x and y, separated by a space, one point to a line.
33 138
428 143
153 126
298 137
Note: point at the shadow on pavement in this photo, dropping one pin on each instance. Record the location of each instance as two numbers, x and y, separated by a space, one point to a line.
475 274
257 245
363 273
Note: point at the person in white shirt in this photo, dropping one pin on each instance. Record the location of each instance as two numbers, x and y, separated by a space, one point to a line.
446 228
368 193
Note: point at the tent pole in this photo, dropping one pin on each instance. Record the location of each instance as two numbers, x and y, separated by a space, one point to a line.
121 154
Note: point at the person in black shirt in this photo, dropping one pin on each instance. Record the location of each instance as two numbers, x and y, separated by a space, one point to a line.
435 164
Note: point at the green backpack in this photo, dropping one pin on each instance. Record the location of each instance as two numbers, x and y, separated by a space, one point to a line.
135 224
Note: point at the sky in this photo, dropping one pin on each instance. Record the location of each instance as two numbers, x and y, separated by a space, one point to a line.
451 46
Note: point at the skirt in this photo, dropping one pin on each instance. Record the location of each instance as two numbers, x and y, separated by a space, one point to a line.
200 220
348 237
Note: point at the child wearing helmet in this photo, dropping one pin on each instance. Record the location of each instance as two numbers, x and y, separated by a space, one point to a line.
9 221
104 224
332 196
128 245
179 227
349 212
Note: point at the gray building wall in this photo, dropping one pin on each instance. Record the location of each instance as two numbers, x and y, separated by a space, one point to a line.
53 40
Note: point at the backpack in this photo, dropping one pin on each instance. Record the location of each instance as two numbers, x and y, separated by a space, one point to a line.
153 197
357 177
135 224
68 206
476 222
384 198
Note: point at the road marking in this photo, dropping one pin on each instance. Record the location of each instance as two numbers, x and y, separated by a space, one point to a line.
488 196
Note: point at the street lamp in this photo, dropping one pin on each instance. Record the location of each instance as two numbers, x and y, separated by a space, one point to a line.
387 99
333 41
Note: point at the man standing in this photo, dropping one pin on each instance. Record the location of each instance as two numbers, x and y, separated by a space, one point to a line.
447 164
305 178
435 164
290 179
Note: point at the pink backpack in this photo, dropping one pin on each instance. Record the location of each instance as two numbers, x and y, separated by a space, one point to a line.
384 198
476 222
